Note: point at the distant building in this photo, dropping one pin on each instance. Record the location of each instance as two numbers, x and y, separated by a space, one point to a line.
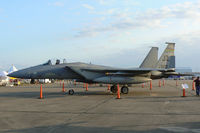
184 69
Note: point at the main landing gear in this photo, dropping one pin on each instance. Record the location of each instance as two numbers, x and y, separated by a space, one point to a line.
71 92
124 89
113 89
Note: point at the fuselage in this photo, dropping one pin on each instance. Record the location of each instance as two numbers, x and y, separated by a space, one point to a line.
87 73
59 71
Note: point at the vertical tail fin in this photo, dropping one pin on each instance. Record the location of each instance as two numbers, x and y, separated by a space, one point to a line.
151 59
167 59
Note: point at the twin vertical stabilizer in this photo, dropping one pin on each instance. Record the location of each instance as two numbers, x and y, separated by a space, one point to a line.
166 61
151 59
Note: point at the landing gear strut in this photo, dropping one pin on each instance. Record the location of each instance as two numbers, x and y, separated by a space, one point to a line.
113 89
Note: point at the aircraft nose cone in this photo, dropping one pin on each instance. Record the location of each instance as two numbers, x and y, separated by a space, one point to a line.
19 74
15 74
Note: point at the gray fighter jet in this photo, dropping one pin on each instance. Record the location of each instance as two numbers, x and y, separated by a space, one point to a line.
89 73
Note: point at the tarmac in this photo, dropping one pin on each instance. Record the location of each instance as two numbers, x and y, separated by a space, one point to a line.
160 110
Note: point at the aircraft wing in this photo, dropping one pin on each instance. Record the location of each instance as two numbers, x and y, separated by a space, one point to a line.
136 70
119 72
104 71
100 74
178 74
113 75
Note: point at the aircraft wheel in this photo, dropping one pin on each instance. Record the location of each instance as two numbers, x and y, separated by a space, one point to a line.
113 89
71 92
124 90
32 81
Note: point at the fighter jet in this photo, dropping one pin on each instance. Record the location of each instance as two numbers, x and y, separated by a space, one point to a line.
89 73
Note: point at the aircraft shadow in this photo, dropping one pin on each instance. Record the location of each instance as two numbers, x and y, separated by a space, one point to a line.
156 128
31 94
48 94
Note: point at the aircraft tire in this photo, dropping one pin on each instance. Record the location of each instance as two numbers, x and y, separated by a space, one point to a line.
32 81
113 89
71 92
124 90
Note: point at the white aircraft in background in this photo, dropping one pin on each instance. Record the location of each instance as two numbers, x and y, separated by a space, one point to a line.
4 79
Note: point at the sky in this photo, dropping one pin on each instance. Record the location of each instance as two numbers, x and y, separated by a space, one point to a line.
106 32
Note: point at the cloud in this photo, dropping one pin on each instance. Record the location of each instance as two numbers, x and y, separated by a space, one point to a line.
105 2
108 12
187 39
185 10
102 2
60 4
118 26
124 58
119 20
88 6
186 49
20 26
121 3
86 33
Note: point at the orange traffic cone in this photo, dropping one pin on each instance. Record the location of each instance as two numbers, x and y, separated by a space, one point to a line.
63 88
142 85
41 96
183 92
151 85
87 87
108 87
193 85
118 92
159 83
